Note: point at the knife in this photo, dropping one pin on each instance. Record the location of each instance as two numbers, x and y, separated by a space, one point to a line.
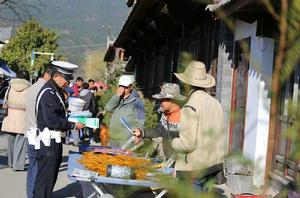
126 124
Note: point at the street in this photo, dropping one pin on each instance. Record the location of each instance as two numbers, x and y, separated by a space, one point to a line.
13 183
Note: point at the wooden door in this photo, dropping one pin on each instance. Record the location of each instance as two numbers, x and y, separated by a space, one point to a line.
239 95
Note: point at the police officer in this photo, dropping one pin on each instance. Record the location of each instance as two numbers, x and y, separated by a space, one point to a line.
32 94
52 124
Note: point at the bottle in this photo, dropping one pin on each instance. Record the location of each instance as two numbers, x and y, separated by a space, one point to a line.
121 172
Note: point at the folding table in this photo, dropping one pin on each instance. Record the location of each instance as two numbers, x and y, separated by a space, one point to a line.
73 163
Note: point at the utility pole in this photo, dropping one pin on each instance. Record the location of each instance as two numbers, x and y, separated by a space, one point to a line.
33 53
110 39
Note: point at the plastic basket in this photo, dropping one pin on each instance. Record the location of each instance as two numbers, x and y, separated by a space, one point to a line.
238 175
239 184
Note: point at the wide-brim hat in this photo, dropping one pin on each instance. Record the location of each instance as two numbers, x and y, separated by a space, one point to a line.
65 68
169 91
195 74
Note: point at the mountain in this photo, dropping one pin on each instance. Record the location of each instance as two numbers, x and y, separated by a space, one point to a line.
81 24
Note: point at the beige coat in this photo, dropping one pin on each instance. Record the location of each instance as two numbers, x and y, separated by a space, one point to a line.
14 122
201 142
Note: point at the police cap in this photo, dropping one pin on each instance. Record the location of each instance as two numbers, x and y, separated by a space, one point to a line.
64 68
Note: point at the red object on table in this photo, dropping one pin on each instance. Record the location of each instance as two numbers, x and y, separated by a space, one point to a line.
249 196
113 151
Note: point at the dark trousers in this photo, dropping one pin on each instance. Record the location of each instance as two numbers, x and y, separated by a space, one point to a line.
48 162
32 170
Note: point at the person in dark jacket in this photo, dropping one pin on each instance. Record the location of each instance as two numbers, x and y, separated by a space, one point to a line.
168 126
31 122
52 120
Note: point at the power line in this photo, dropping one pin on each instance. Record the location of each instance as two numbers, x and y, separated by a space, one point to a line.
83 46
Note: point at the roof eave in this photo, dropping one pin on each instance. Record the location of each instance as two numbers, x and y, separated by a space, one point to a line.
228 7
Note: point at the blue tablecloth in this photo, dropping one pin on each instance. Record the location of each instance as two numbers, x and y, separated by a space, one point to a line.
73 163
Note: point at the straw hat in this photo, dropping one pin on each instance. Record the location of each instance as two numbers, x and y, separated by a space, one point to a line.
169 90
195 74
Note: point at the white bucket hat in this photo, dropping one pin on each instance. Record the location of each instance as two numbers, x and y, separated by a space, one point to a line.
171 91
195 74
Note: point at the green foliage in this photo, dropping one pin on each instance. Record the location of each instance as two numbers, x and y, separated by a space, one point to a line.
115 71
113 84
184 59
104 99
151 117
293 41
183 188
30 36
289 33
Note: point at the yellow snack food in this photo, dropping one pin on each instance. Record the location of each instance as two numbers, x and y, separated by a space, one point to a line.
98 162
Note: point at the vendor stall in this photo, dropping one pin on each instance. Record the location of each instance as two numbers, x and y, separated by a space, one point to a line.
77 172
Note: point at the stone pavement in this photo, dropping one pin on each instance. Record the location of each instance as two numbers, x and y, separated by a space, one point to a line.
13 183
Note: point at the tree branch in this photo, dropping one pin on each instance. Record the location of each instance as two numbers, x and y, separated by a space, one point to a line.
276 84
271 9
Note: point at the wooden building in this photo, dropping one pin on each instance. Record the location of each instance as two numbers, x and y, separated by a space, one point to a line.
157 32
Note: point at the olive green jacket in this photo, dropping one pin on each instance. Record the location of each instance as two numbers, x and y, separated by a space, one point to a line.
132 109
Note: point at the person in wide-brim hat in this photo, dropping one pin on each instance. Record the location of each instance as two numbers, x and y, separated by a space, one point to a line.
195 75
201 124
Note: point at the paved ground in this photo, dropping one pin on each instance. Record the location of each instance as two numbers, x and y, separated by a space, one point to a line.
13 184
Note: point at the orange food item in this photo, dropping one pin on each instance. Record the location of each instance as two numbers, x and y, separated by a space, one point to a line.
104 135
98 163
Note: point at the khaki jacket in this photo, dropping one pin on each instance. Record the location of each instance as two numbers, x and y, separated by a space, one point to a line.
14 122
31 96
201 142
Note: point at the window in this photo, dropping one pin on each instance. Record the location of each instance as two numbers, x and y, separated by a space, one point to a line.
286 166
